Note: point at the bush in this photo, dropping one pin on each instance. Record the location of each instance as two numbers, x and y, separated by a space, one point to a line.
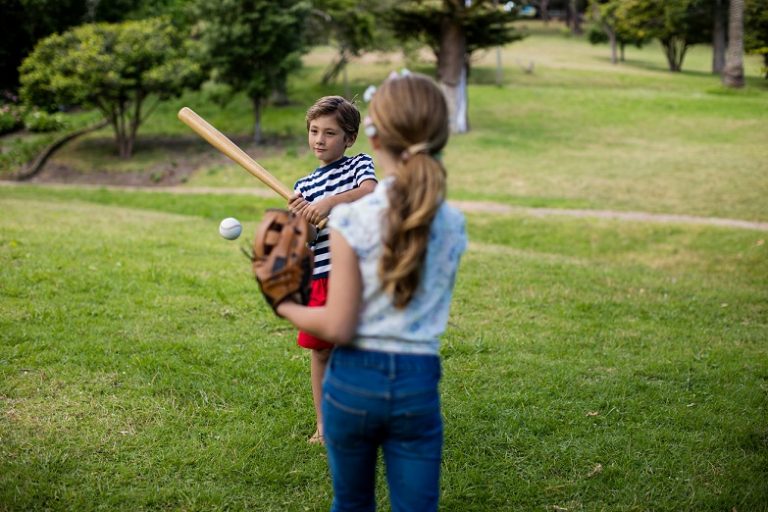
39 121
10 118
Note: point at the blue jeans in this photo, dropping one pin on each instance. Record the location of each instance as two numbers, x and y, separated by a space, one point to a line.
373 399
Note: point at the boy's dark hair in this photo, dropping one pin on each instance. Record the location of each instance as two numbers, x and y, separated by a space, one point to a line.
345 111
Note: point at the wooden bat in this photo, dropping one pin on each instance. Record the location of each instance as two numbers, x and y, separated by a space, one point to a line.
221 142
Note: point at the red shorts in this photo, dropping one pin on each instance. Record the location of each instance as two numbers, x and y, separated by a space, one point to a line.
317 297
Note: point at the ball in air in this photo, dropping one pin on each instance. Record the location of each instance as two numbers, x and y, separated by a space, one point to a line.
230 228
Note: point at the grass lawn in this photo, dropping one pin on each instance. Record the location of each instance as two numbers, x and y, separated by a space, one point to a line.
623 366
588 365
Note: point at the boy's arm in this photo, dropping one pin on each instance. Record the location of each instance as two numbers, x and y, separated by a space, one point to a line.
315 212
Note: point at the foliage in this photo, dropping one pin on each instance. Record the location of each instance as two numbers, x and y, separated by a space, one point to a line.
348 24
20 148
119 10
484 24
252 45
677 24
608 25
114 68
11 117
42 121
756 29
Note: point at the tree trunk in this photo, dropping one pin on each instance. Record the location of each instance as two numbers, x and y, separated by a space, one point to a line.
718 38
765 65
674 50
280 94
499 71
545 10
574 17
334 68
257 120
612 38
452 72
122 131
733 73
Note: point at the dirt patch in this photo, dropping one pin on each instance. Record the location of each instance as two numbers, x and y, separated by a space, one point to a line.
181 158
160 174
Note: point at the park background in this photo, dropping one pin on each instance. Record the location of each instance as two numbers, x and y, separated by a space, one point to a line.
607 342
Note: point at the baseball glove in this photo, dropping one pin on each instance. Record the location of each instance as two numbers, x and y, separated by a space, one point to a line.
282 259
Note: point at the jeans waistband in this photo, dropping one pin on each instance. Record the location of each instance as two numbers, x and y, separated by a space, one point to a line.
387 361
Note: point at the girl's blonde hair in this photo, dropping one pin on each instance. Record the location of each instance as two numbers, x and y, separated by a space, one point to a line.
410 117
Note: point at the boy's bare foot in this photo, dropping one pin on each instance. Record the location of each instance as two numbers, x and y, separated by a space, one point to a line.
317 438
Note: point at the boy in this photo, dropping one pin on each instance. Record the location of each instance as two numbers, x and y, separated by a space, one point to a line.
332 126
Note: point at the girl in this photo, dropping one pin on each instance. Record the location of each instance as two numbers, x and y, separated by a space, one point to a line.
395 254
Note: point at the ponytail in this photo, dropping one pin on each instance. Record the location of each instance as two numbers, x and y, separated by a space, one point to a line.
409 117
414 197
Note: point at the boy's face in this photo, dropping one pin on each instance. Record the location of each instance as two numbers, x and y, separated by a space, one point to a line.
327 140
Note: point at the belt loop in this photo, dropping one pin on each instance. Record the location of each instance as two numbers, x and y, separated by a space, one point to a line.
392 366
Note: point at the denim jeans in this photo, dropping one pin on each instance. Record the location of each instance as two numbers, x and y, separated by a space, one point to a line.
373 399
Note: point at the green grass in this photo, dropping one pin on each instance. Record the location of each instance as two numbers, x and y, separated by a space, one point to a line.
141 370
589 364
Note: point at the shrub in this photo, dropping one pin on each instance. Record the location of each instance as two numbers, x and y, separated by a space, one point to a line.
40 121
10 118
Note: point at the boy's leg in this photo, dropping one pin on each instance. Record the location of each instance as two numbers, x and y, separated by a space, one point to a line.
318 363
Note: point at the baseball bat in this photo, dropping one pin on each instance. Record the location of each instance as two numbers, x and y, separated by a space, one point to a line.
221 142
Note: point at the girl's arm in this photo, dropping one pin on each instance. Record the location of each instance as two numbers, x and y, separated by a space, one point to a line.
335 322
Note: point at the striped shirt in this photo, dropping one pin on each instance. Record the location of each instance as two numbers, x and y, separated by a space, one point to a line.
342 175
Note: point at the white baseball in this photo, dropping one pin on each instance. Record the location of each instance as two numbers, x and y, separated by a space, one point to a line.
230 228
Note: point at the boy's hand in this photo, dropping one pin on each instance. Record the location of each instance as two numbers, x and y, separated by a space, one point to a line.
297 203
313 212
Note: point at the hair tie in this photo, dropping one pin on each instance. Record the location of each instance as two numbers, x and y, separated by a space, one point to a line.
415 149
369 127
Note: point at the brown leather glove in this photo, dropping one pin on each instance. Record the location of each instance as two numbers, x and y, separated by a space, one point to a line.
282 259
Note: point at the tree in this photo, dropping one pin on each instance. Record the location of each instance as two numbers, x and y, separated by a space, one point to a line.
454 29
677 24
350 25
252 45
112 67
573 18
733 72
756 30
610 26
719 39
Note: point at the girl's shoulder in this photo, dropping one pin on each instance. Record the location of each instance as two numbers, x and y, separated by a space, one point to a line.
450 218
365 207
360 221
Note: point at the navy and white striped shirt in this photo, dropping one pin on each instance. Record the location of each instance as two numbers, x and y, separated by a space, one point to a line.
342 175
